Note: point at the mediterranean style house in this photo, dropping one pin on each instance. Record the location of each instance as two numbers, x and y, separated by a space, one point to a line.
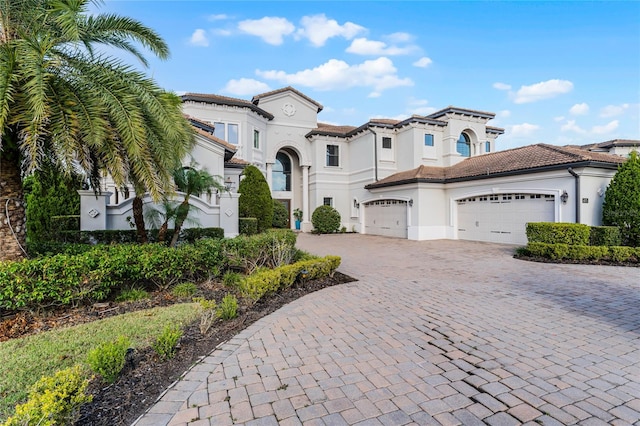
438 176
424 177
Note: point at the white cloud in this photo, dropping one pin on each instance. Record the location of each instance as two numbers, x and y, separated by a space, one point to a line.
245 86
607 128
399 37
270 29
374 95
221 32
199 38
423 62
579 109
505 113
363 46
524 129
318 29
543 90
501 86
559 118
613 110
379 74
571 126
218 17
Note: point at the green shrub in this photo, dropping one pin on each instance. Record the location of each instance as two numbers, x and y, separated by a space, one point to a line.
192 235
582 253
623 254
165 344
325 220
554 233
605 236
621 205
132 294
260 283
280 215
231 279
53 400
269 249
228 307
108 358
248 226
184 290
255 198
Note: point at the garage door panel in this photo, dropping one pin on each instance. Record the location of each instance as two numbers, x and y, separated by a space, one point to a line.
502 218
387 218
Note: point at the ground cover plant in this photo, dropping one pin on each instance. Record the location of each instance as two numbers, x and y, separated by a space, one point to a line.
168 330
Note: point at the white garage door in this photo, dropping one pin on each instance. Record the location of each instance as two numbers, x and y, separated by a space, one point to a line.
386 217
502 218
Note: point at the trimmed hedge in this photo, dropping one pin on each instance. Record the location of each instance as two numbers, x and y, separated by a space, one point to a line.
584 252
269 281
325 220
558 233
96 274
605 236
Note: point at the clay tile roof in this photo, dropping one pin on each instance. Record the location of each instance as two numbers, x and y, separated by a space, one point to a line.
225 100
527 158
619 142
238 161
325 129
225 144
384 121
256 98
464 111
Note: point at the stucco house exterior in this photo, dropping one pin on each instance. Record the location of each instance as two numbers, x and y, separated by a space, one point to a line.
424 177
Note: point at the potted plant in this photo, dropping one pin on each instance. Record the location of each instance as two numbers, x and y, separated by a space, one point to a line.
297 214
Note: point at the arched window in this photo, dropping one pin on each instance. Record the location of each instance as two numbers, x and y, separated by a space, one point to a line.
463 145
281 173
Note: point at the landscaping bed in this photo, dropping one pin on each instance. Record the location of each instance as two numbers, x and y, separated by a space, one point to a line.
145 377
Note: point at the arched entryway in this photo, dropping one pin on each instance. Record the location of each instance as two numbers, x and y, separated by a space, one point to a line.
286 178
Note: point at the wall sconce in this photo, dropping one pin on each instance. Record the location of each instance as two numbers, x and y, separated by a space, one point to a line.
356 204
411 202
600 191
564 197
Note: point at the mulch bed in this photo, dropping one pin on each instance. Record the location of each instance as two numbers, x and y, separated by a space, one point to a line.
145 377
541 259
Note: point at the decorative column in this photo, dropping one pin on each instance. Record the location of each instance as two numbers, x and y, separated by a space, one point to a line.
305 196
270 175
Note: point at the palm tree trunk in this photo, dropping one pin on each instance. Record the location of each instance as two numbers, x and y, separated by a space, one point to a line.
12 229
183 212
138 218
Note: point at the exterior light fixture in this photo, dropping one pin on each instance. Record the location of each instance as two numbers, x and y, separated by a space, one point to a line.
564 197
411 202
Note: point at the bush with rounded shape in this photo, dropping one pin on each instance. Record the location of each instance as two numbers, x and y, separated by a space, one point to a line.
325 220
255 198
108 358
622 201
280 215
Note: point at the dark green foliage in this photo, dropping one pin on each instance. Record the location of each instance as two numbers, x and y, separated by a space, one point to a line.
325 220
248 226
583 252
227 308
269 249
53 205
255 198
621 206
558 233
605 236
280 215
191 235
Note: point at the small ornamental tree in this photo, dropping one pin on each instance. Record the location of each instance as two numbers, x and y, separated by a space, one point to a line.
325 220
622 201
255 198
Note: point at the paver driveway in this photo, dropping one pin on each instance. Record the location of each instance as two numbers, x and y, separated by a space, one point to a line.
438 332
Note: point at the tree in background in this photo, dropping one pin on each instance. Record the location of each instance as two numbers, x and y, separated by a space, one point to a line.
621 206
255 198
61 102
53 204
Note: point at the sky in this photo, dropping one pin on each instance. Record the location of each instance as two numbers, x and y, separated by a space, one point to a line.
552 72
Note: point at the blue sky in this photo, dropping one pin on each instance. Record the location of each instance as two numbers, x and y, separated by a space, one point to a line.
553 72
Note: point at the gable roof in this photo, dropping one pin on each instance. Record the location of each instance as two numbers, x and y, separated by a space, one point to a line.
225 100
527 159
206 129
256 98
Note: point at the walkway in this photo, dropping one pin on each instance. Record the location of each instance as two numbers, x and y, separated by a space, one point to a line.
437 332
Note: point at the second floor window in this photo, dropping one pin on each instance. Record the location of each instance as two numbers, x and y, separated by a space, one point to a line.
333 155
463 146
256 139
386 142
226 131
428 140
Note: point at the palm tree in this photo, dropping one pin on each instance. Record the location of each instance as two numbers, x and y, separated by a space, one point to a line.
61 100
192 181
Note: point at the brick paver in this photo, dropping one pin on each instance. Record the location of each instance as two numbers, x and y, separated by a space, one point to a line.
434 332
